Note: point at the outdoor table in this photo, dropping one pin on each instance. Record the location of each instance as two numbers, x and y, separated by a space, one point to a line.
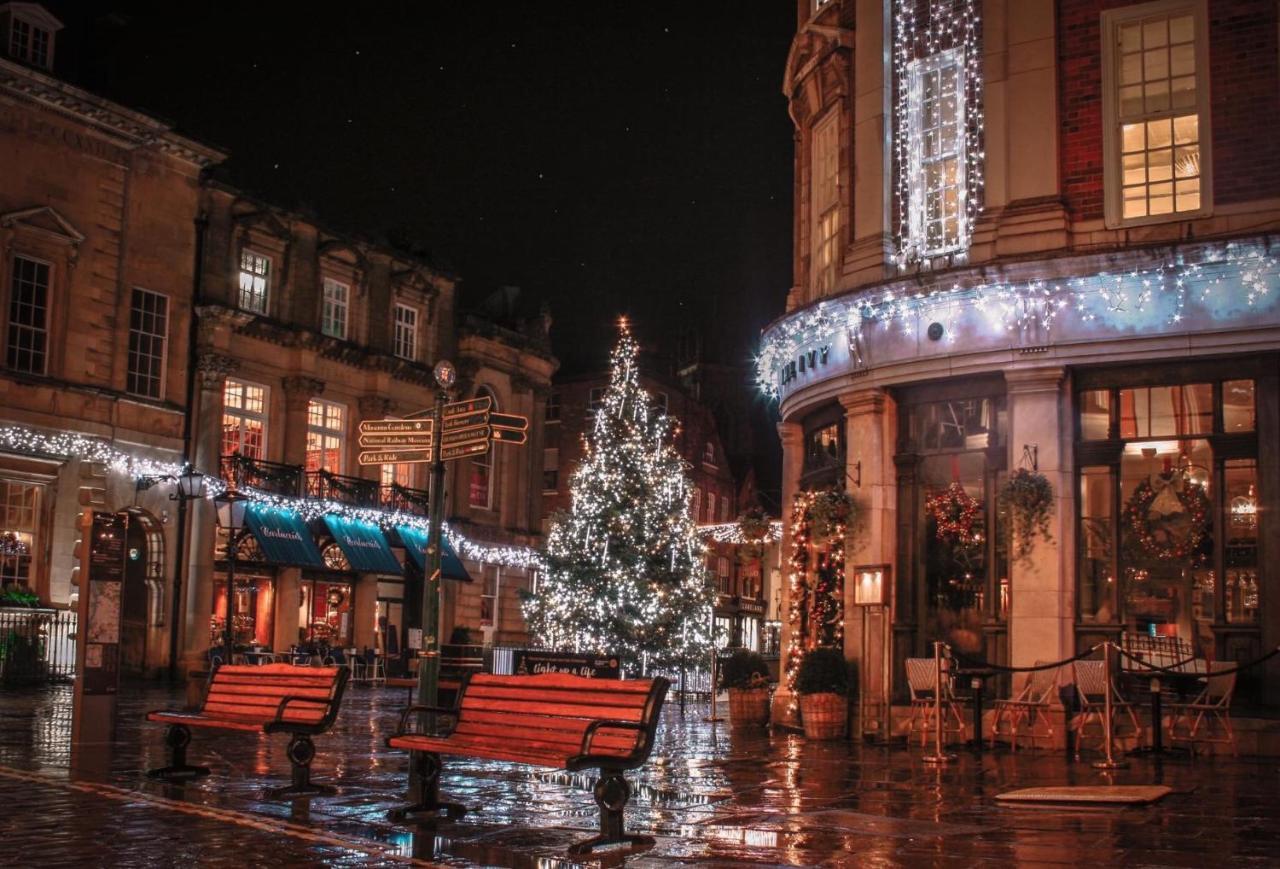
1183 684
977 677
260 656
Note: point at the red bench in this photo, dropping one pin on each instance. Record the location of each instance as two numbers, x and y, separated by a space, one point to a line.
272 698
549 720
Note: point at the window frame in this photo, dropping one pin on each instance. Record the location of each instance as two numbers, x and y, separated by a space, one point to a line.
242 414
266 276
397 325
918 193
823 281
163 355
1113 169
324 431
327 305
551 410
48 309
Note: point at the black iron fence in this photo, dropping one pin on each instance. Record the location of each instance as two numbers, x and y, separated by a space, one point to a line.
37 645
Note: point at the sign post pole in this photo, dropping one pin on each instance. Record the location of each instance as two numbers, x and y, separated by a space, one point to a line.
429 668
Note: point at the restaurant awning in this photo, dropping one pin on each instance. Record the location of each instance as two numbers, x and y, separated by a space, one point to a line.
415 544
364 545
283 536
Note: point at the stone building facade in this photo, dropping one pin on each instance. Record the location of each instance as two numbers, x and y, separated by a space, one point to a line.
1038 236
152 316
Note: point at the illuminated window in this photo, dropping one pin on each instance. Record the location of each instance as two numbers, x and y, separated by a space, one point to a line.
399 474
481 489
255 278
936 153
825 183
148 330
18 517
326 435
1154 68
333 319
406 337
28 342
244 419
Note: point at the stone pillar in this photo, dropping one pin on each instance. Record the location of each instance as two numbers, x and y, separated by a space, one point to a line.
288 595
1041 589
792 437
869 435
364 610
298 392
872 142
197 606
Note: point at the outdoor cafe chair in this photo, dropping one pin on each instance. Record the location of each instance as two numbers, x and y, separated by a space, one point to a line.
1029 709
922 680
1195 721
1091 693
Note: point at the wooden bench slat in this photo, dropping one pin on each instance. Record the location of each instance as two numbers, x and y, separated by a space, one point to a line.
444 746
534 708
321 694
611 741
564 680
275 681
592 698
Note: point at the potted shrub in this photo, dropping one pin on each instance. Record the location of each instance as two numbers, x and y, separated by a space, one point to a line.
746 676
823 685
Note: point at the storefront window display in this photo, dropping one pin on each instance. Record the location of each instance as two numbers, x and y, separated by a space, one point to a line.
325 613
253 616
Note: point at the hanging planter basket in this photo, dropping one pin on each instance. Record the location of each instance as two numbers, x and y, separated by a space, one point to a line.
1028 496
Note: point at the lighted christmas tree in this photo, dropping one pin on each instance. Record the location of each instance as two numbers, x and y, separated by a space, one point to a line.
624 571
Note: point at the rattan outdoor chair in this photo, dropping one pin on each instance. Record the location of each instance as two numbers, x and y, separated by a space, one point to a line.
1028 710
1194 722
1091 692
922 680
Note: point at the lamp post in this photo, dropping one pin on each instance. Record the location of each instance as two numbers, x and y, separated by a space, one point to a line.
191 487
232 508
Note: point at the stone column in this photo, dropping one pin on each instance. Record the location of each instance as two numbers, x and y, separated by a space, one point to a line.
197 606
288 594
298 392
363 610
792 437
872 142
870 478
1041 589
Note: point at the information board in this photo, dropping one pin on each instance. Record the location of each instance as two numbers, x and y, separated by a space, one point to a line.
528 662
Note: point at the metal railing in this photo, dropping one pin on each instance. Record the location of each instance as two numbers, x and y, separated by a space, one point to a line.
356 491
272 477
36 645
404 499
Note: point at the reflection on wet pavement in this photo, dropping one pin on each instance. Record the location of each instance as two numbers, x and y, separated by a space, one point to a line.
711 796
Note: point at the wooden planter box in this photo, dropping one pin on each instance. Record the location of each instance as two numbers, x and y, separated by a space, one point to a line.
748 707
824 715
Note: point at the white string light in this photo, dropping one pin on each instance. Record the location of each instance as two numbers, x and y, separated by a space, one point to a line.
731 532
1238 277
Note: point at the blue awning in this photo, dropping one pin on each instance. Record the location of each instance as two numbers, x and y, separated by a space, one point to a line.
283 536
364 545
415 544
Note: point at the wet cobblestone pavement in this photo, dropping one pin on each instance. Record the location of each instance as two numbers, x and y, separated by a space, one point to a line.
711 797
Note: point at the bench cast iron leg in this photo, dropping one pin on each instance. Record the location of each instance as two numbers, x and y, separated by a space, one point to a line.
612 793
301 752
424 791
177 737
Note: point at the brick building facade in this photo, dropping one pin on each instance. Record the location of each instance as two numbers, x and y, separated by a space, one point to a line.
152 315
1038 235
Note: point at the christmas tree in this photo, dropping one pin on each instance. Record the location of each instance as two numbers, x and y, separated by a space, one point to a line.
624 571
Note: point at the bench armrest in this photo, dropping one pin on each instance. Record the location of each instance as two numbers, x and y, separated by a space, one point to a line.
589 734
292 698
402 729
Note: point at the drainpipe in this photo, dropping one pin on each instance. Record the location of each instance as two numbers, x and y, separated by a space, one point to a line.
175 617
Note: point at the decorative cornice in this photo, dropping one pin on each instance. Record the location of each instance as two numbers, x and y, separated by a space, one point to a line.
301 386
374 406
214 368
864 401
790 433
1026 380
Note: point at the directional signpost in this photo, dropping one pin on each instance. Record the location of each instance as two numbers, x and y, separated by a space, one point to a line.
448 431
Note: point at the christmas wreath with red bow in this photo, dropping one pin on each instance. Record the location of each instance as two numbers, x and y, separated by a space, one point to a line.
1155 532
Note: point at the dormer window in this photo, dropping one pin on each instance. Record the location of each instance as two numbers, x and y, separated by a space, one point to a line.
30 33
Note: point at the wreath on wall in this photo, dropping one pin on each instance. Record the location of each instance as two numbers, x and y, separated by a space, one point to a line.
954 513
1168 517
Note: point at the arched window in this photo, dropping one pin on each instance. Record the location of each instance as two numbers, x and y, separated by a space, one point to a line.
483 467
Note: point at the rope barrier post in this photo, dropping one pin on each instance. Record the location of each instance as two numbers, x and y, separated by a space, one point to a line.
939 757
1109 762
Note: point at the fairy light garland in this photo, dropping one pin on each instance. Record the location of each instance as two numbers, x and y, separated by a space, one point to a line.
67 445
1237 276
731 532
819 603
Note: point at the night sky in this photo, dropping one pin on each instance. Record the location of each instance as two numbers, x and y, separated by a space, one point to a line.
607 157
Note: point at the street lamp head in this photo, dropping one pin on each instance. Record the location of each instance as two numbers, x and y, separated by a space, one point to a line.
190 484
232 508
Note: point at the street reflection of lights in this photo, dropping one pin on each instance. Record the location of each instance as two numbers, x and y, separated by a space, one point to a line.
752 838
